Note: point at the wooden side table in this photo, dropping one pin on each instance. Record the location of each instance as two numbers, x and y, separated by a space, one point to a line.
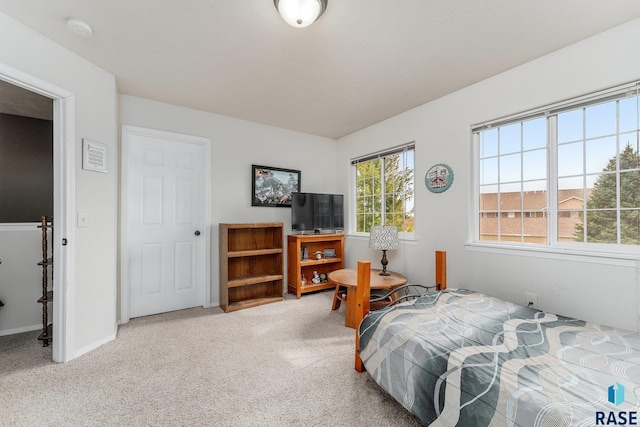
348 277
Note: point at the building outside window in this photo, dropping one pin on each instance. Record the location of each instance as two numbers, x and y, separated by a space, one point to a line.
384 190
567 173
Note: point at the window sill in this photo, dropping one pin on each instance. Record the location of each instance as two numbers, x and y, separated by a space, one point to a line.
560 253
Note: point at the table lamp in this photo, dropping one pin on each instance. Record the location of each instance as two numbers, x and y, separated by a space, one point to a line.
384 238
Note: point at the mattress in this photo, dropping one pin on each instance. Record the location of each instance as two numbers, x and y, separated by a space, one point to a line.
459 357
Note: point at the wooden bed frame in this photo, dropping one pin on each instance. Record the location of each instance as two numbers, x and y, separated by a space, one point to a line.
363 294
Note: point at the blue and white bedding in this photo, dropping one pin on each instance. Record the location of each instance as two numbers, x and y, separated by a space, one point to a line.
462 358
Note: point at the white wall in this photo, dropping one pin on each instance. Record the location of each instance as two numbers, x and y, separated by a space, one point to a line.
235 146
597 292
94 298
20 280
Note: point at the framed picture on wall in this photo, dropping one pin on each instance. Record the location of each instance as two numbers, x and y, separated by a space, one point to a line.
95 156
273 186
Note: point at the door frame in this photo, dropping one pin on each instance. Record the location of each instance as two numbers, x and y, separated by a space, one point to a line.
127 132
64 168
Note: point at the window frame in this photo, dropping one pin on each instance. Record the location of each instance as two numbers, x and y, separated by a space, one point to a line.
353 224
609 253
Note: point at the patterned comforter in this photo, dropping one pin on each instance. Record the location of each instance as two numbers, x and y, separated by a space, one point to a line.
462 358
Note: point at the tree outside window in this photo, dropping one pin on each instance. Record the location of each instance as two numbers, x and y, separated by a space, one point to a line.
385 191
602 220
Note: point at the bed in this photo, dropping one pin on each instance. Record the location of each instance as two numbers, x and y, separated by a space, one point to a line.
458 357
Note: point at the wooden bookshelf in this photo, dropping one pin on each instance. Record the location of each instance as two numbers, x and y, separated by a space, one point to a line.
299 268
251 265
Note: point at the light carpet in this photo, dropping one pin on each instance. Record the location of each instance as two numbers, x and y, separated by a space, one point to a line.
288 363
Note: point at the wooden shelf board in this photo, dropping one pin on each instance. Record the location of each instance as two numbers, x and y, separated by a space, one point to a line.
317 286
48 298
317 237
254 252
245 281
239 305
48 334
319 261
254 225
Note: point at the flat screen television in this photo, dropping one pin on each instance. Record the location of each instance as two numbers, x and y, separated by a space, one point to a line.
317 212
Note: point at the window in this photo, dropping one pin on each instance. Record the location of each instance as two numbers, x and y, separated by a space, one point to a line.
512 181
534 214
384 186
569 173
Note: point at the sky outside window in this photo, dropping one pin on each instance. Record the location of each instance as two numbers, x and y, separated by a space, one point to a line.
588 144
587 140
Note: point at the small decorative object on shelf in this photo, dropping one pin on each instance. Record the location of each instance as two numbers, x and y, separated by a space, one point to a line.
329 253
316 277
318 254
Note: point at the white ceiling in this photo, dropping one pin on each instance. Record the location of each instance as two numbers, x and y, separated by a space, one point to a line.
362 62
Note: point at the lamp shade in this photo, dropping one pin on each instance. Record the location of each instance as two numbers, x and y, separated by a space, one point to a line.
383 237
300 13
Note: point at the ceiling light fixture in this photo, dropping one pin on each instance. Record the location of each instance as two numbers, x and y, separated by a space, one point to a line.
78 26
300 13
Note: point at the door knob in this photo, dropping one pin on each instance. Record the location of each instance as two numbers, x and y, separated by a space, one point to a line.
197 233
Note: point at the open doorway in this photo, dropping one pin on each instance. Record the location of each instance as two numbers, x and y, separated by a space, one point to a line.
25 92
26 192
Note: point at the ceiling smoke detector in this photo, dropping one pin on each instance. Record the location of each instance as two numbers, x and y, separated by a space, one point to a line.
78 26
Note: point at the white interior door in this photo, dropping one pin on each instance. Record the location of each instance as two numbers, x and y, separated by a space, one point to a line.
166 223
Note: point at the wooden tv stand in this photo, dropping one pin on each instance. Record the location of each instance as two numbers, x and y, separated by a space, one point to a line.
299 268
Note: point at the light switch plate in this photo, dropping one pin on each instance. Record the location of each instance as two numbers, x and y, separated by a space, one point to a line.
83 219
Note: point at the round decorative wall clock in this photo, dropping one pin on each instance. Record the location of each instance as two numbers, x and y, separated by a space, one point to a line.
439 178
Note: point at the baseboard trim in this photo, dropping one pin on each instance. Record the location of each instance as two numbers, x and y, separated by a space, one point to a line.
86 349
20 330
